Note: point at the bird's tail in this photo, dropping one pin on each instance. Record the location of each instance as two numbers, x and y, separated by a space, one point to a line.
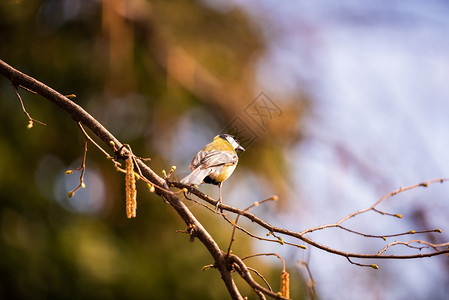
196 177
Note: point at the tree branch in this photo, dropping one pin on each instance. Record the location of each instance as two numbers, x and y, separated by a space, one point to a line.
301 235
78 114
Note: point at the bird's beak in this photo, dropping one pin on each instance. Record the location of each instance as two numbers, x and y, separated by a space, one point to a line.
240 148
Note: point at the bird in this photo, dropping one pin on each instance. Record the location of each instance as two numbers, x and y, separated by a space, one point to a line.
214 163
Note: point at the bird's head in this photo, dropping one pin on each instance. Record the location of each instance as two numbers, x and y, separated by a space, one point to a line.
232 140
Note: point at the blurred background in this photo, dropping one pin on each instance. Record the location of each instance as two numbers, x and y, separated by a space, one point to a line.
337 105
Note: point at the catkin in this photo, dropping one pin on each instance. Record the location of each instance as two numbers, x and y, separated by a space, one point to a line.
285 284
131 191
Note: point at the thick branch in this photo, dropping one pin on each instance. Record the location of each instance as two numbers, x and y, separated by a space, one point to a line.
80 115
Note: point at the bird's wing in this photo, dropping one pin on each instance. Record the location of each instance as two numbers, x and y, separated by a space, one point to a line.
197 176
214 158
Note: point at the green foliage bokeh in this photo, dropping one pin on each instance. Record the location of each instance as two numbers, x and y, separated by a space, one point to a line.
115 59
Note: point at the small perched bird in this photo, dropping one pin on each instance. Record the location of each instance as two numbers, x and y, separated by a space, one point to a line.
215 162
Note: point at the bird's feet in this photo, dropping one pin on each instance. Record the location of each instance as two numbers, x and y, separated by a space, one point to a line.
217 206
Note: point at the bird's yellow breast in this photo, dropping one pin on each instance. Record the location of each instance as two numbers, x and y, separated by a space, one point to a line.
225 172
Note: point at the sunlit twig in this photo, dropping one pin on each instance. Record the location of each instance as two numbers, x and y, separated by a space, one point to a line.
302 235
311 283
31 120
234 223
82 168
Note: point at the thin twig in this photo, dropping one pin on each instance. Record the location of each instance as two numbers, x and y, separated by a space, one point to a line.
28 90
408 244
93 142
311 283
202 204
385 236
82 168
301 235
31 120
273 198
373 207
261 277
267 254
362 265
244 273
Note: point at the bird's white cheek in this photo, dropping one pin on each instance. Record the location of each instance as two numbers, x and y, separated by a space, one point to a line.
232 142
